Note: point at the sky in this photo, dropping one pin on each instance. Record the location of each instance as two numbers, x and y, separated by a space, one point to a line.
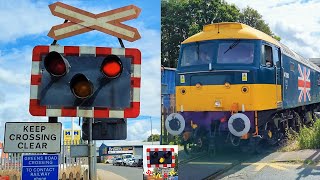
25 24
297 22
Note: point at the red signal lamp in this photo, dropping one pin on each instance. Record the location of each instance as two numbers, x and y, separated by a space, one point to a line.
81 86
111 66
56 64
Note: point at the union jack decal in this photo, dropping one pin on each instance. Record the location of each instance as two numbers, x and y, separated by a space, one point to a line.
304 84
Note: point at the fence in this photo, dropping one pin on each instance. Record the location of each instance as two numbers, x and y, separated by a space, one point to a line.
70 167
64 176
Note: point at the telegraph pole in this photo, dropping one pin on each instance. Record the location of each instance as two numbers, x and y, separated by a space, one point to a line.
151 131
92 154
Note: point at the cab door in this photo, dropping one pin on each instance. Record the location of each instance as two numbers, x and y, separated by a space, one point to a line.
278 74
269 74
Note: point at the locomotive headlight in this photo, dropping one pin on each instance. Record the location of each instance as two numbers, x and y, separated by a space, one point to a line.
217 103
227 85
198 85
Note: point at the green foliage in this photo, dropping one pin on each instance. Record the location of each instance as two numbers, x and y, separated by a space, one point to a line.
176 141
155 137
309 137
251 17
172 143
183 18
276 37
176 167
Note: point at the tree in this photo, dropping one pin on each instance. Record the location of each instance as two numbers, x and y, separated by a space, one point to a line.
174 29
252 18
183 18
204 12
155 137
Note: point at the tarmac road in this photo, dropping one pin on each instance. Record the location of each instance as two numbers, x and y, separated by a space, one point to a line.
232 164
122 172
279 165
206 166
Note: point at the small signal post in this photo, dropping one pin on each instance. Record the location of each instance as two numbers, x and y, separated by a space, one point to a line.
159 161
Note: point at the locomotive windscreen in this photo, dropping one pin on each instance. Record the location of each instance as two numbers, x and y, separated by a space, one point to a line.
197 54
220 52
237 53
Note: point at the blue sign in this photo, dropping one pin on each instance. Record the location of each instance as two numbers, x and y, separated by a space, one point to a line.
40 167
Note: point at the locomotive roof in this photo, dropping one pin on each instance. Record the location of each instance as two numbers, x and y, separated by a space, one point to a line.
233 30
230 30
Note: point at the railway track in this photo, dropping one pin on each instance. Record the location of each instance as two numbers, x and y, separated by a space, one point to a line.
184 162
245 158
208 167
218 173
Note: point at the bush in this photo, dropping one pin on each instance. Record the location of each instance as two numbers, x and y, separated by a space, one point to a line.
309 137
172 143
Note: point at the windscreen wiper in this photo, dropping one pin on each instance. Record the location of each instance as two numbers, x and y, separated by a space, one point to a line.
234 44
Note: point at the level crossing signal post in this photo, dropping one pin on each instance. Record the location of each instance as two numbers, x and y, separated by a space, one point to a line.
87 82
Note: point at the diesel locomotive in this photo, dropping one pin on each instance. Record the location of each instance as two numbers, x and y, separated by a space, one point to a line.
235 83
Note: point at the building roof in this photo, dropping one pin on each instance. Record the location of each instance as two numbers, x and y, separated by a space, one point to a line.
130 143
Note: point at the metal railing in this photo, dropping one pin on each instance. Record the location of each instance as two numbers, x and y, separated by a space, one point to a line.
12 162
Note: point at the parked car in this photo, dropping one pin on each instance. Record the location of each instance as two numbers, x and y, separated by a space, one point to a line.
135 162
109 161
130 162
118 161
126 158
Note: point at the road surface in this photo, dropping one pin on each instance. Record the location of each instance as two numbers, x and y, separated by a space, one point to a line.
129 173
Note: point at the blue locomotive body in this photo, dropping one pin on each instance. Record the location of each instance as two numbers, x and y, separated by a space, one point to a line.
234 79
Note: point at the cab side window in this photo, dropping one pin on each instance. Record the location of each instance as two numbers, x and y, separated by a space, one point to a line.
267 56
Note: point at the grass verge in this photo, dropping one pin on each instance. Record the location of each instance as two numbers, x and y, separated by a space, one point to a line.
307 138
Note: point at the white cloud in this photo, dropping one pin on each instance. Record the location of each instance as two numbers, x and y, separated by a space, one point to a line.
150 88
296 22
141 129
21 18
15 66
17 111
150 46
10 77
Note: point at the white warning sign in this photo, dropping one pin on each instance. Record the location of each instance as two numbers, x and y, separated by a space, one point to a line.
244 77
32 137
